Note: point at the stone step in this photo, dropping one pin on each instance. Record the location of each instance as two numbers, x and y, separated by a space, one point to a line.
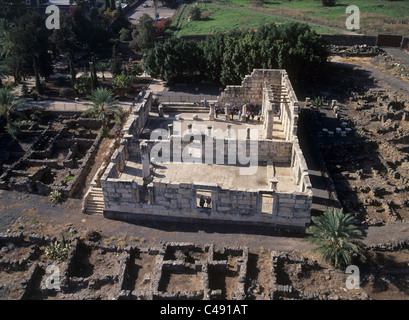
95 203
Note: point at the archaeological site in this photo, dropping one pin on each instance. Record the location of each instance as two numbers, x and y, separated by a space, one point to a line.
250 171
211 200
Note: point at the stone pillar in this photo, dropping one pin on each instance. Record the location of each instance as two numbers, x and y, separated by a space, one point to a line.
243 114
209 130
170 129
146 167
229 130
160 111
227 112
211 112
269 124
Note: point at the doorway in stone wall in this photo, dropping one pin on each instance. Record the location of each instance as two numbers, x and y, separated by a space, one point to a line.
267 203
203 199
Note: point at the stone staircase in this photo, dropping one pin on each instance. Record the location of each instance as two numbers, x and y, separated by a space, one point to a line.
181 107
94 201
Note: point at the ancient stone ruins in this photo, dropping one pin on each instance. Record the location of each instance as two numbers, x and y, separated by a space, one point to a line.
170 271
207 163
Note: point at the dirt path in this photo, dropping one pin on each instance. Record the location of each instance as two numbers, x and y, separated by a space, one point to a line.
381 77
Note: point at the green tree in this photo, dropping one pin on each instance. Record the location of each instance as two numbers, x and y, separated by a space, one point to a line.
9 104
213 48
116 63
28 54
103 106
195 13
174 60
93 72
336 237
146 32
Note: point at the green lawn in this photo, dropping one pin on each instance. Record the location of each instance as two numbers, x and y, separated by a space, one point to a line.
225 18
377 16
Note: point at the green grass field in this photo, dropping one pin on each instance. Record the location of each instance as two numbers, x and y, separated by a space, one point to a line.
377 16
225 18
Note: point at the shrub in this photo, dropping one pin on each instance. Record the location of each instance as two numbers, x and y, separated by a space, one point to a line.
55 196
13 129
122 84
83 83
57 250
195 13
328 3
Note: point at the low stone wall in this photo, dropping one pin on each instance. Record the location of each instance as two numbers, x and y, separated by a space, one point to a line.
349 40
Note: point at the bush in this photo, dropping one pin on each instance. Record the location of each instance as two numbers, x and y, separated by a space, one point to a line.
55 196
57 250
124 34
13 129
195 13
83 84
328 3
122 84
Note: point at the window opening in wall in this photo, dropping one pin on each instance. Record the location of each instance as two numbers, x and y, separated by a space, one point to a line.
267 203
204 199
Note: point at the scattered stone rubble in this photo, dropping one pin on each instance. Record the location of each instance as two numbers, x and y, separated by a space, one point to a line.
355 50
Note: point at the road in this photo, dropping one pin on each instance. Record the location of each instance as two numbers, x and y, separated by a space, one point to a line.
135 14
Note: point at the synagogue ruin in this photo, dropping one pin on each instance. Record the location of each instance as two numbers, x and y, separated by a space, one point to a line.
180 162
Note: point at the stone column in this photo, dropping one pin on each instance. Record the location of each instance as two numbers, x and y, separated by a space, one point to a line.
146 167
269 124
211 112
229 130
243 114
209 130
227 112
170 130
160 111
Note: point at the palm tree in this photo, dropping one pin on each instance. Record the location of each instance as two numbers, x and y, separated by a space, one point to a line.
103 106
335 234
317 102
102 67
9 104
